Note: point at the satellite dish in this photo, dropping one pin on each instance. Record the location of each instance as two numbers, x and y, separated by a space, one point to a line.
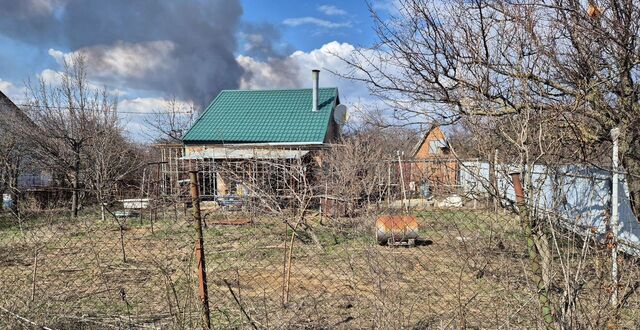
340 114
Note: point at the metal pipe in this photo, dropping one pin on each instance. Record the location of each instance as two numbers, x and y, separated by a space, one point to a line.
199 250
615 134
315 74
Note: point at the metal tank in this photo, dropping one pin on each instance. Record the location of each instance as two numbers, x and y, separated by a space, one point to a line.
393 229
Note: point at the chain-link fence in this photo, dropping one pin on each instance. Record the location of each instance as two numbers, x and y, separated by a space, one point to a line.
124 269
287 247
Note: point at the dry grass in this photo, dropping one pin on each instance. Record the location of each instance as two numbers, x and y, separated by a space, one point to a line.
354 283
473 275
81 276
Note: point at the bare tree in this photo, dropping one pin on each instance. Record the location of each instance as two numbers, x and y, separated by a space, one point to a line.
112 161
575 62
69 115
11 161
544 80
172 121
354 167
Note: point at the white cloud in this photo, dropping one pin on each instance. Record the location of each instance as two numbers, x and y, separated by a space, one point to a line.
315 21
5 85
137 115
356 95
13 92
57 55
142 105
332 10
54 78
51 77
122 60
263 75
42 7
389 6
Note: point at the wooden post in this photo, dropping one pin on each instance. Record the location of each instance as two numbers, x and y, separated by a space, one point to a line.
405 206
388 184
494 182
199 250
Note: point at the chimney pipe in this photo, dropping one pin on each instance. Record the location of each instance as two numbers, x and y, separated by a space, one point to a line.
315 75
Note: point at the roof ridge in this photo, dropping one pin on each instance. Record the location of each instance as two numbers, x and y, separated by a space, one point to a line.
273 90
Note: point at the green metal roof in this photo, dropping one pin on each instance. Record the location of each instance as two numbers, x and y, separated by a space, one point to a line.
264 116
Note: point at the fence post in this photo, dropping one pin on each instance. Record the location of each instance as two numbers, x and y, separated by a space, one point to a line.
199 250
494 182
534 255
405 206
615 133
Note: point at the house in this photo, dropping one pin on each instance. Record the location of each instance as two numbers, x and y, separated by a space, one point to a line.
434 144
19 173
31 176
238 126
434 167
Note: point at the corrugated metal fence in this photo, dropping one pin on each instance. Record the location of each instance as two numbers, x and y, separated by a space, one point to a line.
580 194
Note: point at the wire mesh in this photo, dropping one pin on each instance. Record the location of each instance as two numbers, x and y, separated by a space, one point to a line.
125 268
285 250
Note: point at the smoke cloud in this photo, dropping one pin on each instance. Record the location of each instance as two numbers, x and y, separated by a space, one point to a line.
182 48
262 43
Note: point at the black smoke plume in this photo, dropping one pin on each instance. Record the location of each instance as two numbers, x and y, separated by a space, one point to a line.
202 33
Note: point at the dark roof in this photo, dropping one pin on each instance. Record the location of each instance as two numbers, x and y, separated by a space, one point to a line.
10 113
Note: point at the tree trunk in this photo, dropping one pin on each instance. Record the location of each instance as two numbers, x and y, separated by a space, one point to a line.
13 189
537 269
629 154
75 184
534 239
632 166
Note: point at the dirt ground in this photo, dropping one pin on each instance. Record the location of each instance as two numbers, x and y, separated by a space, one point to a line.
471 272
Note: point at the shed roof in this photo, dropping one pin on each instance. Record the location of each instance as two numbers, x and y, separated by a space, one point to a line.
247 116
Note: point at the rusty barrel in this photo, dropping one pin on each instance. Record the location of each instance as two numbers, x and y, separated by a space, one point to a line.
396 228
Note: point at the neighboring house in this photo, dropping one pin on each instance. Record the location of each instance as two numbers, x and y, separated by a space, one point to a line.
434 144
434 167
18 172
279 125
30 175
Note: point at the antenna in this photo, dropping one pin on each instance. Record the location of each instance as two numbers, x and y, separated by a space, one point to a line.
340 114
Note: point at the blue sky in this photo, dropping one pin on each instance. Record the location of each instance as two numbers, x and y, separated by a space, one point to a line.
351 20
353 15
149 51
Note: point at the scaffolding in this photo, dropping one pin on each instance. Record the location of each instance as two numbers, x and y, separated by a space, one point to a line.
247 173
168 167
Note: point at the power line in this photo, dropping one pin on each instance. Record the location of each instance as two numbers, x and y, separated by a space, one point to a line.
115 111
